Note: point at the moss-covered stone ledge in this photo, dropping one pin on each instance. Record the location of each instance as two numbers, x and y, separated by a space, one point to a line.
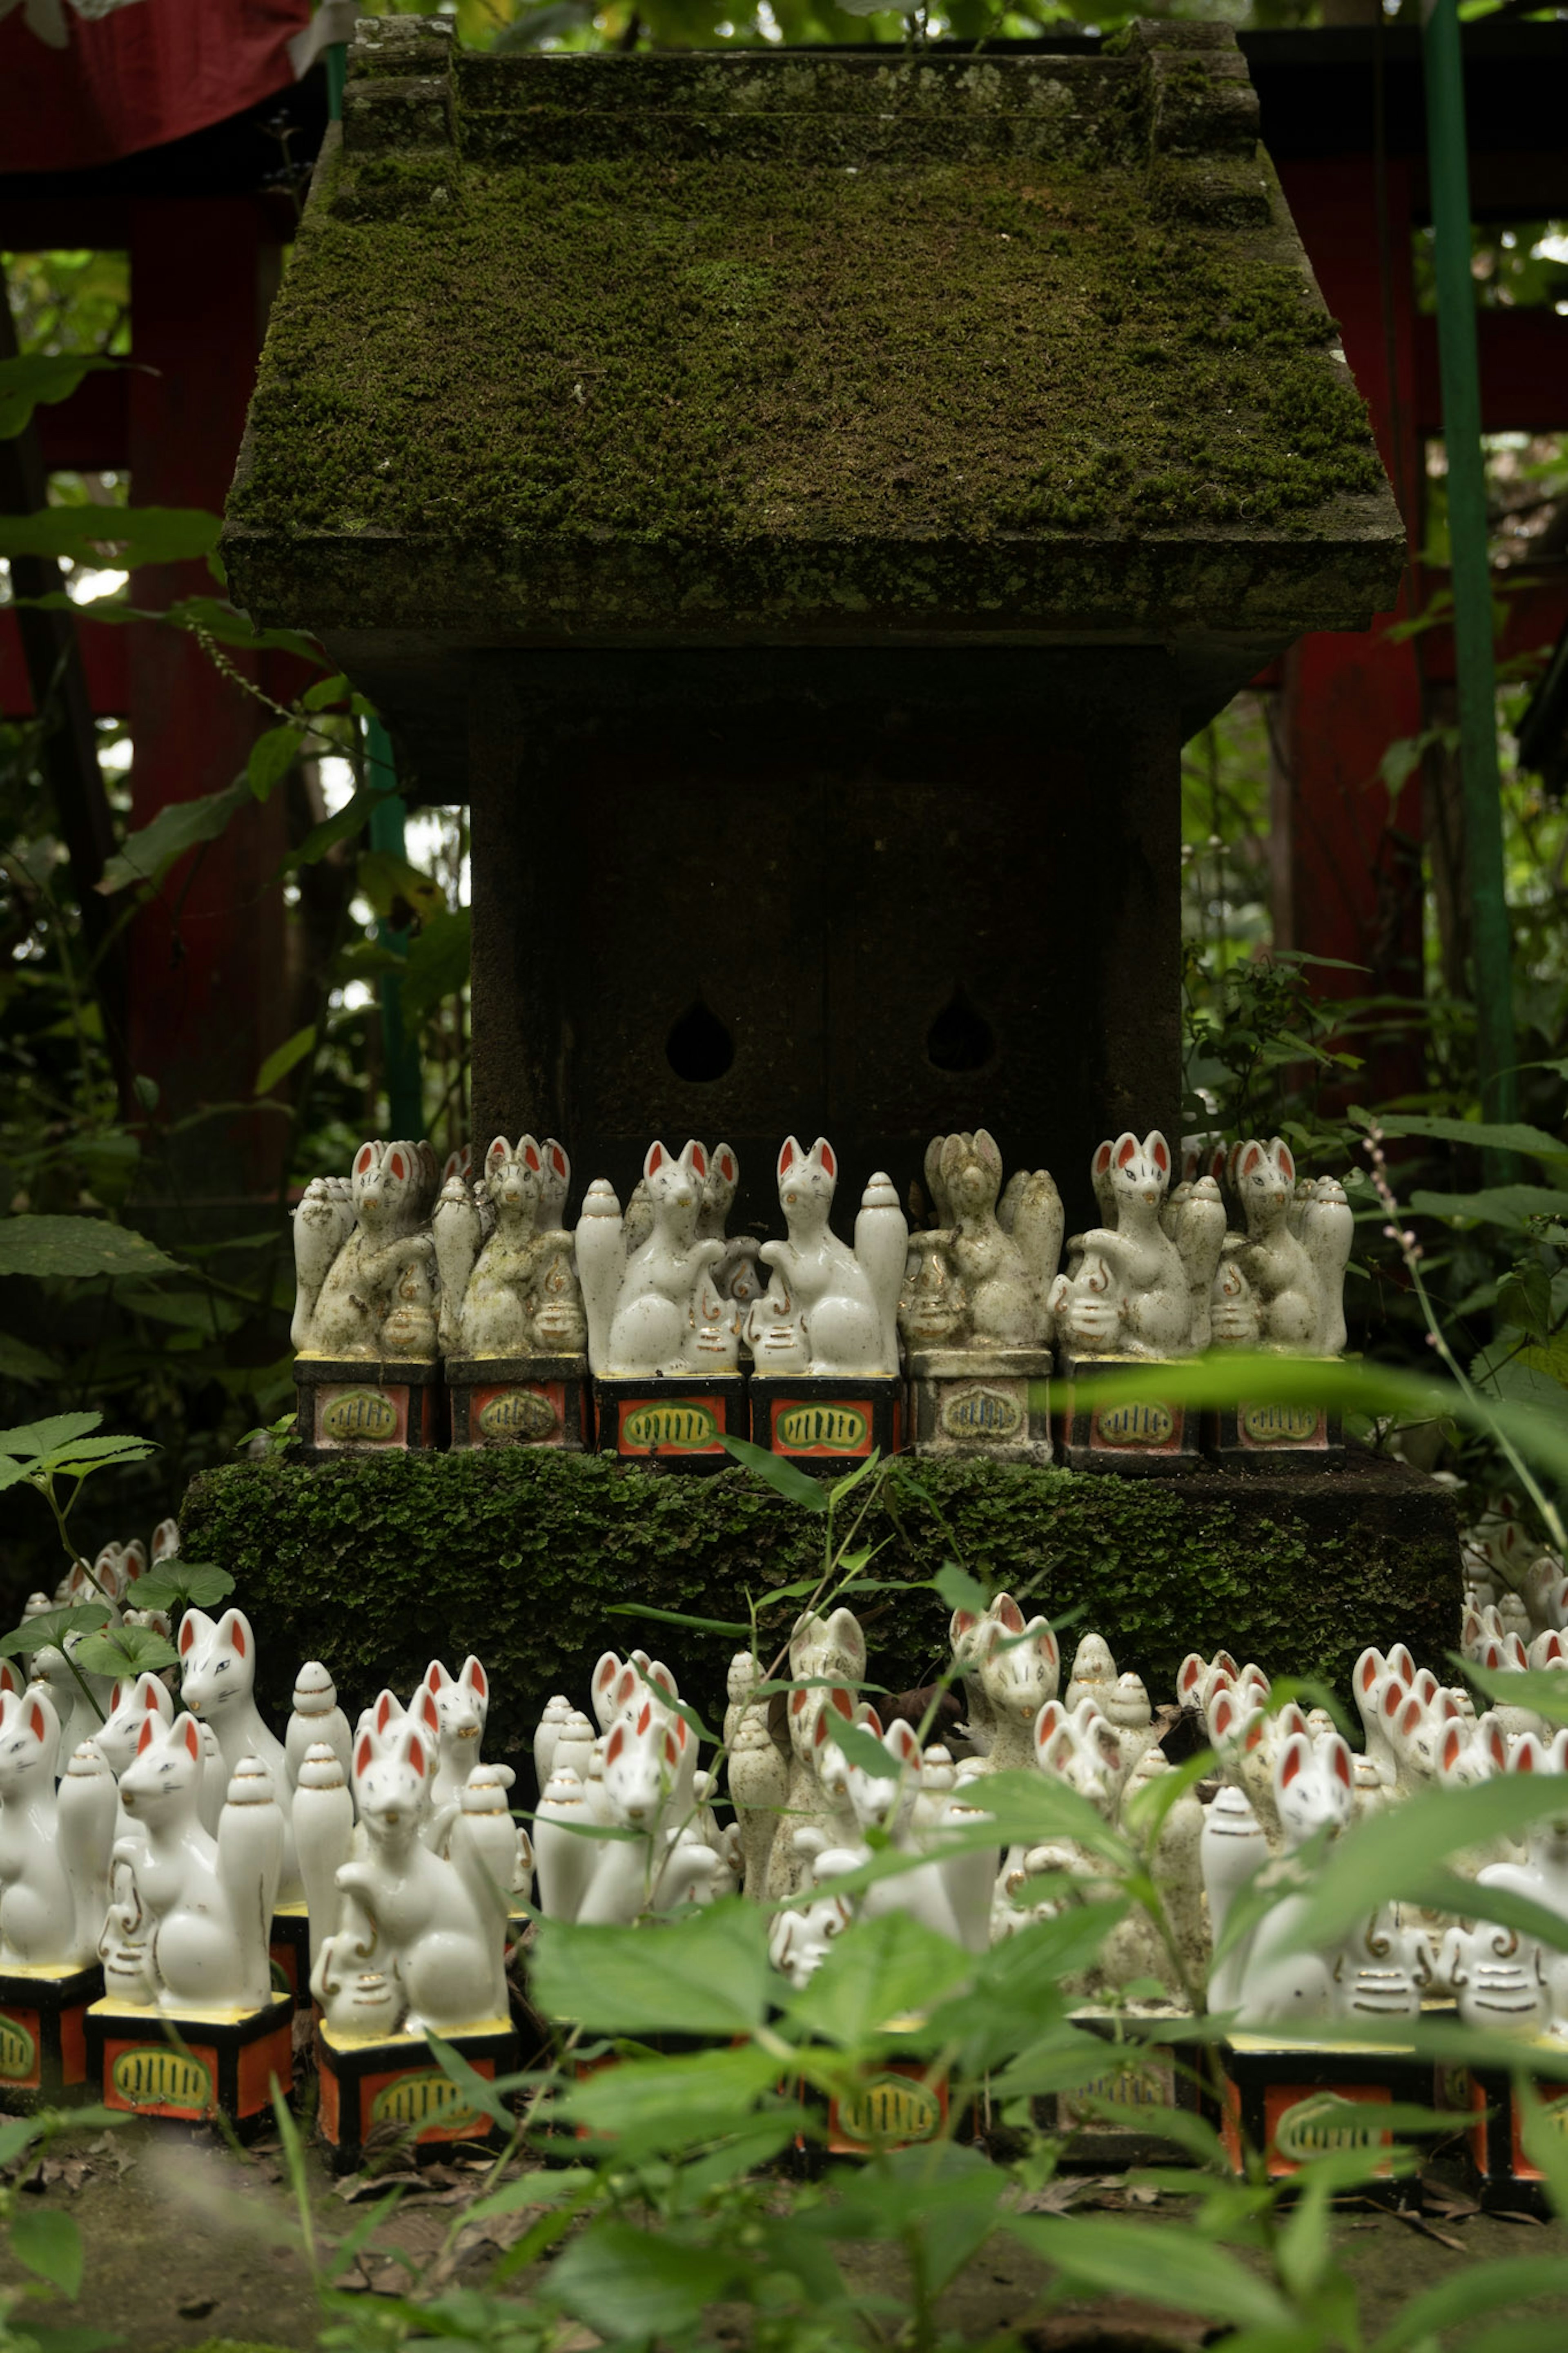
376 1567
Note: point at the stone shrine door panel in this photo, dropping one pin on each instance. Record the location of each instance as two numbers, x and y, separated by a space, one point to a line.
869 894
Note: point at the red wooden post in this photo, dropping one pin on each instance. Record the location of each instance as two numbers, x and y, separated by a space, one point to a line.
206 955
1348 866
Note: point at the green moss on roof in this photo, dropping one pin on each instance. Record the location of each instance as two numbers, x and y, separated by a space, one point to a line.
844 326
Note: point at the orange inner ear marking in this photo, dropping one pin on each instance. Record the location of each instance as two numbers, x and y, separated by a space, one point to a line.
144 1735
559 1157
531 1157
367 1156
656 1158
193 1737
397 1168
187 1635
1010 1614
1162 1157
416 1758
617 1742
431 1713
1343 1764
785 1157
1128 1152
727 1166
362 1762
829 1162
1291 1767
645 1718
150 1699
698 1163
1102 1160
238 1640
478 1680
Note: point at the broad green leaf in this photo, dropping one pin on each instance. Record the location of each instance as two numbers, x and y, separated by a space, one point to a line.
437 965
879 1973
272 756
48 1629
325 693
282 1061
959 1589
136 536
1544 1689
1470 2293
48 1245
35 1439
41 376
124 1651
477 2091
1035 1810
175 1582
179 827
673 2104
1393 1854
708 1974
21 1362
47 2242
861 1748
1498 1205
352 819
842 1488
1515 1137
946 2199
399 892
214 616
82 1454
784 1477
625 2283
1016 1994
1165 2266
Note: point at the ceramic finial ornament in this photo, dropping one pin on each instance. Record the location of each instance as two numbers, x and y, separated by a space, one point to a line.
656 1310
1127 1290
373 1294
829 1310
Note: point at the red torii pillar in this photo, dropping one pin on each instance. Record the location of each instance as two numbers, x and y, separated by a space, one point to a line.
207 952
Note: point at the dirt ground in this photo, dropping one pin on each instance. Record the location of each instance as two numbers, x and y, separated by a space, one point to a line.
188 2246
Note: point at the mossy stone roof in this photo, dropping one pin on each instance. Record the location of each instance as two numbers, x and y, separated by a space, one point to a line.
804 346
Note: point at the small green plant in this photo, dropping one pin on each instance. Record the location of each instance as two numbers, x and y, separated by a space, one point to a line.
44 2242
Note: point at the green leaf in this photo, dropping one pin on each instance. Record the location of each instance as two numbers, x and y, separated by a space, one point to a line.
959 1589
40 376
1470 2293
78 1246
1539 1688
272 756
399 892
729 1625
20 1362
865 1468
35 1439
877 1973
477 2091
325 693
1164 2266
352 819
175 1582
278 1063
178 827
125 1651
48 1629
437 965
1516 1137
1498 1205
134 535
784 1479
708 1974
673 2104
47 2242
625 2283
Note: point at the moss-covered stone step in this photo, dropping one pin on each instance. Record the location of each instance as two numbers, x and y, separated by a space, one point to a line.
378 1567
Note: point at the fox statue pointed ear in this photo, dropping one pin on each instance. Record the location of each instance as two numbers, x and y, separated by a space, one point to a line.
559 1160
695 1157
145 1737
727 1163
1293 1760
1102 1160
414 1749
528 1153
364 1754
397 1165
234 1631
365 1160
436 1677
474 1676
1159 1151
1287 1165
498 1155
36 1725
430 1711
1251 1158
821 1153
618 1741
1452 1745
1340 1758
789 1153
192 1736
657 1157
1126 1150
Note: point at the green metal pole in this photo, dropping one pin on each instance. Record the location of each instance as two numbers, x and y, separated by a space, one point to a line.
1496 1052
400 1048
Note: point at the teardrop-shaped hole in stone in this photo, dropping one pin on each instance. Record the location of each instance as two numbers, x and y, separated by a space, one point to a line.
698 1048
960 1037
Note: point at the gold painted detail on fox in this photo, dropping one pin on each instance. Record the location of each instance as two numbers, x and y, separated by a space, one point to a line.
1314 2127
367 1414
18 2052
518 1413
148 2074
425 2098
1280 1425
685 1421
981 1413
1141 1423
840 1429
890 2108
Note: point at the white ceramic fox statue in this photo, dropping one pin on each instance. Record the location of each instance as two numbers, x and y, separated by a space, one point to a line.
829 1310
656 1310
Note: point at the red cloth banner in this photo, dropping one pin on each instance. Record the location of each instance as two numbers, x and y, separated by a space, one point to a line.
83 81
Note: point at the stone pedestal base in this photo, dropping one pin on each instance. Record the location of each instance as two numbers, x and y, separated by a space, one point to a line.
520 1401
1274 1437
1137 1431
827 1425
1272 2096
671 1425
288 1949
896 2107
226 2059
992 1403
43 2036
351 1405
397 2083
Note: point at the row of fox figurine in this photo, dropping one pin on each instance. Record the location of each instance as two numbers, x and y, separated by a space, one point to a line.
163 1844
402 1261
